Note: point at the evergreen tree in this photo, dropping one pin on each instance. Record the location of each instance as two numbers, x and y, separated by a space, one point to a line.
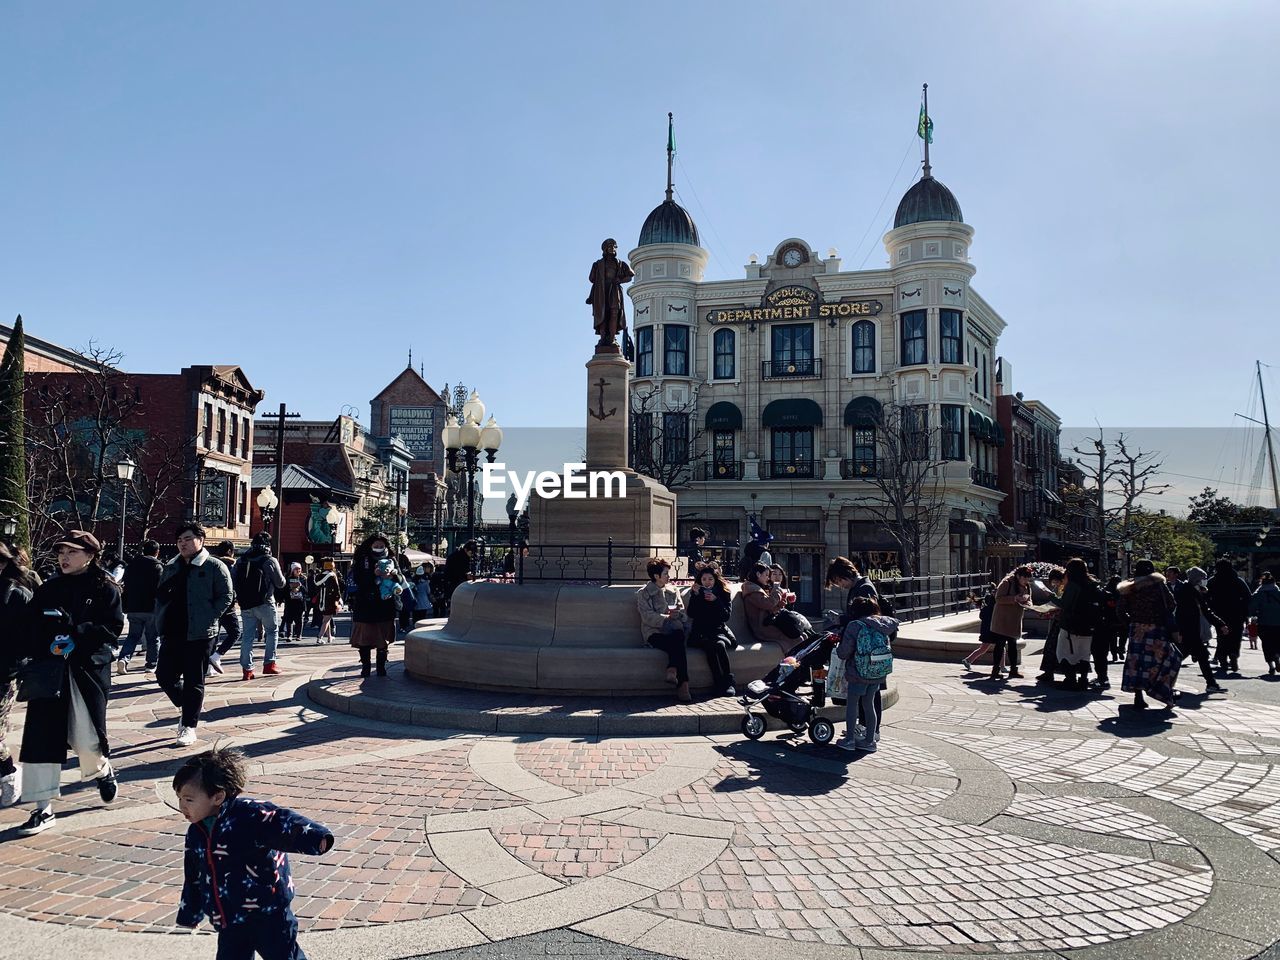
13 457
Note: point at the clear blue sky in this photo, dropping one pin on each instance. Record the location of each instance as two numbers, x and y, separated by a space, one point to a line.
308 189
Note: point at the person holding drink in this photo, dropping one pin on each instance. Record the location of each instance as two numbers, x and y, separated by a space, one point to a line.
709 603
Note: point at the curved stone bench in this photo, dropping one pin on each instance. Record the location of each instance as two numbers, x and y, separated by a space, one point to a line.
562 639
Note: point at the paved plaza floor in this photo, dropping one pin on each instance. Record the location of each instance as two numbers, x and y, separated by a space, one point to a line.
1006 819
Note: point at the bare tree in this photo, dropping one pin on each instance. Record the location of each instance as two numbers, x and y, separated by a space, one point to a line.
1133 472
1125 475
907 484
168 465
1098 471
75 433
664 436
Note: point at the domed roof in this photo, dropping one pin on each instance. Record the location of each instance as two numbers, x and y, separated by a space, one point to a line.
669 223
928 199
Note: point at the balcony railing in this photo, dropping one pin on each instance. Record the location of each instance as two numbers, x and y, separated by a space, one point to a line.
718 470
809 367
791 470
984 478
857 469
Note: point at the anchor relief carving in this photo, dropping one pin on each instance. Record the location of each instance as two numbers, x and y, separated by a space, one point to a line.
602 415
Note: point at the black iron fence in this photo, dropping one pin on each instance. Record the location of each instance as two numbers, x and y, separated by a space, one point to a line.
610 562
798 369
920 598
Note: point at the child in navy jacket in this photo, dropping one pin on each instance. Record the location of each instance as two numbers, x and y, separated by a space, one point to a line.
237 864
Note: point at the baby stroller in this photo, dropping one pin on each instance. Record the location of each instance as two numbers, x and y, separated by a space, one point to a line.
776 693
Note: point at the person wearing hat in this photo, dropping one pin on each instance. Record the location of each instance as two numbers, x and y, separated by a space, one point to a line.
16 586
194 592
295 603
74 623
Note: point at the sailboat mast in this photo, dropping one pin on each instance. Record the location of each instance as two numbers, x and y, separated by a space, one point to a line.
1271 449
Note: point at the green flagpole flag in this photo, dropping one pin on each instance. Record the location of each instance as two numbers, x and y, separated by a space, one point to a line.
671 136
924 129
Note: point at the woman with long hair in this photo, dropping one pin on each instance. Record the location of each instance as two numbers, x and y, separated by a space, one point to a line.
708 604
1081 613
74 622
327 597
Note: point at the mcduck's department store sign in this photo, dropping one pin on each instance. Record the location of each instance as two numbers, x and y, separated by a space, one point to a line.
795 303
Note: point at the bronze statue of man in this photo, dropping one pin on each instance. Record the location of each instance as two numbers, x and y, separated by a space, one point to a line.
608 274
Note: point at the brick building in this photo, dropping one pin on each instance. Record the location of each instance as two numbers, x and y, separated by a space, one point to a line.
42 356
408 408
190 434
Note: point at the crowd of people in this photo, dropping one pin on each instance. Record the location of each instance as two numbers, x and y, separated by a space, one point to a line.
67 634
1152 622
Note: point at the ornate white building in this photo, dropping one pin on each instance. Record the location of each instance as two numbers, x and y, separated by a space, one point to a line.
774 384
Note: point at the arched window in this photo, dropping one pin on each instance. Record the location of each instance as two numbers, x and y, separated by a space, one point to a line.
723 344
864 347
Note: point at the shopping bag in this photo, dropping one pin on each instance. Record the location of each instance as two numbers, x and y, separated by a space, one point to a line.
837 682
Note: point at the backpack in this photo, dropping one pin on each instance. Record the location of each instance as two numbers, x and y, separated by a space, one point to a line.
252 584
872 655
1086 614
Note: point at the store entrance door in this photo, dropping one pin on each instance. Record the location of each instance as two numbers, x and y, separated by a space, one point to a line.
804 578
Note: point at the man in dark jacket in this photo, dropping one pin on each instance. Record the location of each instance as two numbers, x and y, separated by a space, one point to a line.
1193 615
141 577
457 568
194 593
1229 596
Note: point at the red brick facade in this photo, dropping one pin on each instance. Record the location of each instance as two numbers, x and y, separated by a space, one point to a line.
191 436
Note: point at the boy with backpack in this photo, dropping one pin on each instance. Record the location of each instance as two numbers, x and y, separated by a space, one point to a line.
866 648
256 577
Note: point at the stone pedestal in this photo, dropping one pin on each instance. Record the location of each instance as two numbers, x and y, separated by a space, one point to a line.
571 535
608 406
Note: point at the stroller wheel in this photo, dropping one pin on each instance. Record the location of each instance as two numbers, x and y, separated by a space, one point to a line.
753 726
822 731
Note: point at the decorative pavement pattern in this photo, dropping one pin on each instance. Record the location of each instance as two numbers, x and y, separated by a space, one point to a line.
993 820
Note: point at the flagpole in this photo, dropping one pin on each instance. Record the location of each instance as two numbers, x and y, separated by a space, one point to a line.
670 153
928 170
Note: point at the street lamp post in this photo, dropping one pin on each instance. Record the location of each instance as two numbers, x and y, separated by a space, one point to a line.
469 438
124 470
8 526
267 503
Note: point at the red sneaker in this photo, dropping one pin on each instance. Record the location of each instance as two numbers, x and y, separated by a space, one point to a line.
248 675
270 668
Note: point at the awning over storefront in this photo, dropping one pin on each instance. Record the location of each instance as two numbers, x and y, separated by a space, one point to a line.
980 425
794 412
968 525
724 416
863 412
1050 495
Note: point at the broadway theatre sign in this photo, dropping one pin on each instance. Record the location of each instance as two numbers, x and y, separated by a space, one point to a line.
795 303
